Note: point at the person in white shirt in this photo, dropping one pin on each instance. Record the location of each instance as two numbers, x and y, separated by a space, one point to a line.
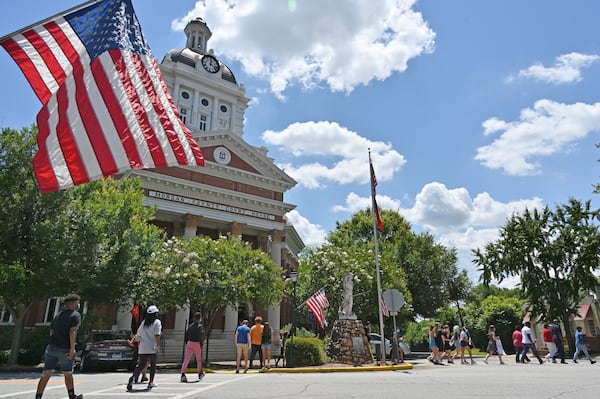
529 343
148 335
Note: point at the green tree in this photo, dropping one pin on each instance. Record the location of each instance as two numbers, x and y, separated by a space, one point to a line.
432 274
89 239
425 272
328 265
209 275
554 253
430 270
502 310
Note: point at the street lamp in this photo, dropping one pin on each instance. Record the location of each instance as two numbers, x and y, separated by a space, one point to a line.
294 278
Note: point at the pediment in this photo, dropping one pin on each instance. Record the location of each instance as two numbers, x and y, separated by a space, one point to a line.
231 152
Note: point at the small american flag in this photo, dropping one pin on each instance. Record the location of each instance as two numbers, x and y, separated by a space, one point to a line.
105 107
384 309
316 304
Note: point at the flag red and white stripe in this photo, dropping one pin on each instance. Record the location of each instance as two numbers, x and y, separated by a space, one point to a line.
384 309
316 304
105 107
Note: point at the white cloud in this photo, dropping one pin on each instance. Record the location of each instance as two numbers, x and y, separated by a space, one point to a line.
340 43
334 142
547 128
312 234
456 220
444 210
355 203
566 69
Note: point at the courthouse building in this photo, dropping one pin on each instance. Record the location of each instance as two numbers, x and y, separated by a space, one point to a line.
239 192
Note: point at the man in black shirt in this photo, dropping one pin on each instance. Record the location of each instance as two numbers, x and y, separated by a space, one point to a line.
558 340
61 347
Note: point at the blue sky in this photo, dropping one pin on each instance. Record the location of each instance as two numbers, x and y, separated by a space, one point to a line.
472 109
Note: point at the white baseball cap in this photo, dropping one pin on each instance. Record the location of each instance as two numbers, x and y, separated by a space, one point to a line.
152 309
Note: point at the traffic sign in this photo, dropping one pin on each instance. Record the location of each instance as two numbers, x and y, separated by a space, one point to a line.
393 299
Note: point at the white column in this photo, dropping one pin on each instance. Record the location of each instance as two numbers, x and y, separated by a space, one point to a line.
214 120
191 225
182 318
274 246
231 319
274 318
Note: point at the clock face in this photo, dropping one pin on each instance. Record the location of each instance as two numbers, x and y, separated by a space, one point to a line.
210 63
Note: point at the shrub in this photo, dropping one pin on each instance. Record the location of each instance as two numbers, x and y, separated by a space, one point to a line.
33 345
304 352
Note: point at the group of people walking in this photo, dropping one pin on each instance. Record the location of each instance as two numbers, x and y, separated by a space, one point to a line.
441 341
257 339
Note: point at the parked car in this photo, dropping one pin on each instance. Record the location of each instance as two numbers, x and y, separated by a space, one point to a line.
375 340
106 350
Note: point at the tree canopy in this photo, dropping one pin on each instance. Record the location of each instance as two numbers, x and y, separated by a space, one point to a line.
90 239
209 275
553 253
425 272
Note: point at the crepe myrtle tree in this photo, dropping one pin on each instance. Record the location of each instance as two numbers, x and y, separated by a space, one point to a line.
553 252
209 275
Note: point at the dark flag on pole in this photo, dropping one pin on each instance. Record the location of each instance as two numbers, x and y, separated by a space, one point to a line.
373 193
105 107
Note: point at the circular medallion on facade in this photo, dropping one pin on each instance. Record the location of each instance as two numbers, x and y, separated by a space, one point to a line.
222 155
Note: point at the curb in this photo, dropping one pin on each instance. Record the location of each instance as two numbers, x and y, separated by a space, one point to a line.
406 366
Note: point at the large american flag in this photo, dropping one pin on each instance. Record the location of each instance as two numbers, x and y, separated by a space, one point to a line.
105 107
316 304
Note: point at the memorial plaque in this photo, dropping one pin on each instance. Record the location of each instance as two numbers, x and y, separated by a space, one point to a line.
358 345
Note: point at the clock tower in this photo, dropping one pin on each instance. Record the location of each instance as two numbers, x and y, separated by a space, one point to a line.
238 193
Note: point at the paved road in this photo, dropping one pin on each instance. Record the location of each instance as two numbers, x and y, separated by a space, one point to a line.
488 381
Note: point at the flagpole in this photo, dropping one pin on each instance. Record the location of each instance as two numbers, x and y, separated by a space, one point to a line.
43 21
375 241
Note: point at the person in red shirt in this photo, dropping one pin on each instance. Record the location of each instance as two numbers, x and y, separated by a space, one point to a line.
517 339
549 342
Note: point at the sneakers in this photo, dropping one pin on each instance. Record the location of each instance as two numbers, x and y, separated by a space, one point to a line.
201 375
183 378
485 361
575 361
592 361
130 384
245 371
144 378
151 385
75 396
237 371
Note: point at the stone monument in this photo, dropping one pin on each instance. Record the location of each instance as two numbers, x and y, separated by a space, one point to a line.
349 343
